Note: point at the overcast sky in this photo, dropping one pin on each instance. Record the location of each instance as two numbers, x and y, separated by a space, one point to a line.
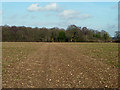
94 15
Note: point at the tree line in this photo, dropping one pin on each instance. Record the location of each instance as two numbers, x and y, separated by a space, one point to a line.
73 33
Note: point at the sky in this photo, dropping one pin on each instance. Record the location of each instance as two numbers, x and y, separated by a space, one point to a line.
93 15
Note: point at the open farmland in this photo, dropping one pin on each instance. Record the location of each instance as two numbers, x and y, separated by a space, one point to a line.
65 65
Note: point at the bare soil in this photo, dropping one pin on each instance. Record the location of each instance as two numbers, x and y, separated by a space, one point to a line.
57 65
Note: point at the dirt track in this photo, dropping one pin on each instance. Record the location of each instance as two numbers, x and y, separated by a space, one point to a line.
60 66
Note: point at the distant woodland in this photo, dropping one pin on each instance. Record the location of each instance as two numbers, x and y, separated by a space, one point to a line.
73 33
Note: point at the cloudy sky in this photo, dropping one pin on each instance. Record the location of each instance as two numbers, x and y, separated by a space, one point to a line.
94 15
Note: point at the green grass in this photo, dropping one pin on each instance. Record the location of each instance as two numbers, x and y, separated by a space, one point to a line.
106 52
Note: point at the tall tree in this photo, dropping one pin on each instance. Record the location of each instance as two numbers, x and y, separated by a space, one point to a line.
61 36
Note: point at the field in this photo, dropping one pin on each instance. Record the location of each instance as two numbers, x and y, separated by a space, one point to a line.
59 65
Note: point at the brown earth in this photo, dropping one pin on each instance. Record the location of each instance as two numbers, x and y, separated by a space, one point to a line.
57 65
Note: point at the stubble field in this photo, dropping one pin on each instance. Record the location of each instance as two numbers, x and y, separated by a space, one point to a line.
59 65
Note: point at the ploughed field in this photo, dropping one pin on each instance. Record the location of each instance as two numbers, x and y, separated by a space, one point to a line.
59 65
